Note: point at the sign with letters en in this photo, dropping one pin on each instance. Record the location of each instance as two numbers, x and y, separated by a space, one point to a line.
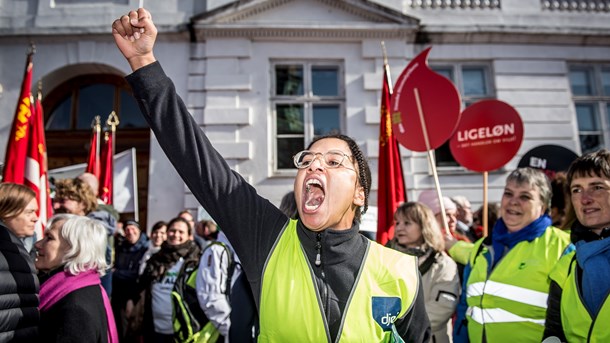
549 158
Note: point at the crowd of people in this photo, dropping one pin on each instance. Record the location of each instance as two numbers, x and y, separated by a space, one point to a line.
55 292
303 272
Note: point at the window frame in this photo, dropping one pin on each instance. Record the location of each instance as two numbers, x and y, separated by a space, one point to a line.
307 100
457 68
599 100
71 88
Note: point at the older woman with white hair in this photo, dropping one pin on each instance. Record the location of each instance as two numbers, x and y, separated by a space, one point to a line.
73 305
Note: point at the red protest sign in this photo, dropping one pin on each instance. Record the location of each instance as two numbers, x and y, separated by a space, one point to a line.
420 93
489 134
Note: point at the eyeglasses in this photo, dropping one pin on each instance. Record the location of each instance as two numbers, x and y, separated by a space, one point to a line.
330 159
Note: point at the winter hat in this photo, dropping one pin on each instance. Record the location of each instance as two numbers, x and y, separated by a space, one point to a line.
429 198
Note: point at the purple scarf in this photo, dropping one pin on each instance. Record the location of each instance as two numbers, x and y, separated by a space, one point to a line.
64 283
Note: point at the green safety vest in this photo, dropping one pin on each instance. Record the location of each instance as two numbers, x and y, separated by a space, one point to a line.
189 321
290 306
578 326
509 303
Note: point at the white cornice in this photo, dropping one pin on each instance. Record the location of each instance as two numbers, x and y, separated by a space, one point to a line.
540 37
240 11
319 33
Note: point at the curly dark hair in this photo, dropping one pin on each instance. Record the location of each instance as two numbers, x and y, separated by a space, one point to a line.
77 190
364 171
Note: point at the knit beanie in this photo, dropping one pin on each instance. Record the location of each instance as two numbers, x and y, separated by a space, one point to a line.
429 198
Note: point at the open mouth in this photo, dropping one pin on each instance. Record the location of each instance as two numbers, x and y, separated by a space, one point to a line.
313 195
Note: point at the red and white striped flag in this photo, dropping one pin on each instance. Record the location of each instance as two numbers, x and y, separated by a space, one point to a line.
26 151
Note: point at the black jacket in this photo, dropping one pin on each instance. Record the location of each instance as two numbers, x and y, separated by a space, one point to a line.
19 288
251 222
77 317
127 259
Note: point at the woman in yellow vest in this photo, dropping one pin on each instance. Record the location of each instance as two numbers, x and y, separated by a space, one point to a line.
505 292
579 302
315 278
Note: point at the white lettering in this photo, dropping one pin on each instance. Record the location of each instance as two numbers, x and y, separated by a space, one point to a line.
537 162
388 319
486 132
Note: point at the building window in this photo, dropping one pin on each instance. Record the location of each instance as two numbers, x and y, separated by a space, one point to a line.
308 101
74 104
590 86
473 82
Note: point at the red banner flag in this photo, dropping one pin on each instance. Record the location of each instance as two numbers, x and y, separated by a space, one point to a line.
36 170
391 188
16 148
26 152
93 161
106 177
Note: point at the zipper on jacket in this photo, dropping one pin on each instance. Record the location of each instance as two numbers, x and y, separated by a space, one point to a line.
318 249
319 256
325 299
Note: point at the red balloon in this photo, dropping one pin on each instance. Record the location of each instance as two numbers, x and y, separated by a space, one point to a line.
488 136
440 106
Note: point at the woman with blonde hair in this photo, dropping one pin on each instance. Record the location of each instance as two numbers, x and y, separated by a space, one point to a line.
417 233
73 305
18 284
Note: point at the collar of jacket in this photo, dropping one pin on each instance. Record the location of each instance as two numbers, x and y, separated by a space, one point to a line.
580 232
336 245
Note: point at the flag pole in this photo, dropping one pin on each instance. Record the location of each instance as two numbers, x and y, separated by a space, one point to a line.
96 125
107 175
113 122
431 161
32 49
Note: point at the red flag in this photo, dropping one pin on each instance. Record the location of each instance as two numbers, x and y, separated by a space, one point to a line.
26 153
93 161
36 171
16 148
391 188
106 177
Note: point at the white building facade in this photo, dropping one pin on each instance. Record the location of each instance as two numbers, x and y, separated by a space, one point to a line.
263 77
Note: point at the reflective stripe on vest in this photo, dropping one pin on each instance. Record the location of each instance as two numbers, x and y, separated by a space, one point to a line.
510 292
578 326
498 315
290 306
510 301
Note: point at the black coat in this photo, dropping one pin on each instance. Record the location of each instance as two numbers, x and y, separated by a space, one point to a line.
77 317
19 288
